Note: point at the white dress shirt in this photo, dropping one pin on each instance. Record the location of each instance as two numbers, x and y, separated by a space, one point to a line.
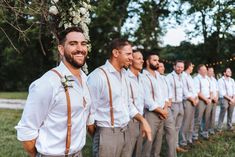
45 114
226 87
176 84
165 88
123 109
214 86
137 90
188 86
152 90
202 84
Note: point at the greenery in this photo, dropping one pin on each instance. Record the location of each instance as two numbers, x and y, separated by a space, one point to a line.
13 95
27 40
217 146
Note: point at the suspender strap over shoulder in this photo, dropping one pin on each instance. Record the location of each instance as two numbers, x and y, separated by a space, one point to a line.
110 98
69 124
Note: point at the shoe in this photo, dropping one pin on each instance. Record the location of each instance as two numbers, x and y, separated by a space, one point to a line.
231 130
191 145
181 150
212 132
196 142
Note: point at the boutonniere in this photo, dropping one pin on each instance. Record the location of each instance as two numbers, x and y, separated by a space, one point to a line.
67 81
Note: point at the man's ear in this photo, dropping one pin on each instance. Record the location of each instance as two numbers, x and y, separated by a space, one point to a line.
61 49
147 62
115 53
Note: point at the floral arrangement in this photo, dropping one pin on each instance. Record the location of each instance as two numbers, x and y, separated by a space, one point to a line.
67 81
67 13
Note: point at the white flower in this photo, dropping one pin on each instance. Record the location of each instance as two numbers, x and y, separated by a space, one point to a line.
83 11
67 81
72 13
53 10
76 20
54 1
67 25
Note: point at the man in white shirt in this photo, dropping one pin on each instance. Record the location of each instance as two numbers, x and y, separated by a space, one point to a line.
227 99
155 110
215 98
203 88
176 84
168 124
190 101
56 113
138 97
112 104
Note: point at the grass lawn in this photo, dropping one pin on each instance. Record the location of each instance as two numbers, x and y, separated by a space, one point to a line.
9 146
13 95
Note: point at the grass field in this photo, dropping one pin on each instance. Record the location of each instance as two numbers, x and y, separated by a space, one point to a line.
218 146
13 95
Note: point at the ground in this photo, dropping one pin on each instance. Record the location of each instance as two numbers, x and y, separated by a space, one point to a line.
217 146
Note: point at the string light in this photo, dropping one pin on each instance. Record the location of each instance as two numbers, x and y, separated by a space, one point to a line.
208 64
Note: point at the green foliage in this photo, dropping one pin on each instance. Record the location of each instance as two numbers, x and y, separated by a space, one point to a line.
9 145
13 95
217 146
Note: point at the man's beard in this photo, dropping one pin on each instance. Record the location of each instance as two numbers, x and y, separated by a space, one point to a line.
153 67
227 75
72 61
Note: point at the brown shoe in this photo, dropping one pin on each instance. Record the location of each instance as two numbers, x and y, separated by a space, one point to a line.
181 150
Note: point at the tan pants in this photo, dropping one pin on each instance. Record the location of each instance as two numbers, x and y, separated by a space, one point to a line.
169 131
112 142
135 137
78 154
186 131
178 114
156 125
225 107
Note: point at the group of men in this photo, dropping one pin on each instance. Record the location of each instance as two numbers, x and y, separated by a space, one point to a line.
126 105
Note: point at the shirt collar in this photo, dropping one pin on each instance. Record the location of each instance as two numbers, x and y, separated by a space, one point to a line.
111 69
66 72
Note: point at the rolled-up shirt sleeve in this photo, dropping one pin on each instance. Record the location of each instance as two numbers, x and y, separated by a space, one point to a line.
35 111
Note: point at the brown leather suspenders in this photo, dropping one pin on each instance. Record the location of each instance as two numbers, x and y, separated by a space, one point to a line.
110 98
69 124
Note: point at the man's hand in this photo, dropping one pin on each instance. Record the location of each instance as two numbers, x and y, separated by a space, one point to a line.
91 129
145 128
208 101
29 146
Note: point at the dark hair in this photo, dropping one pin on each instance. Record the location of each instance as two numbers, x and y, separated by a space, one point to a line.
118 43
62 35
224 71
199 66
147 56
187 64
209 67
137 50
178 61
